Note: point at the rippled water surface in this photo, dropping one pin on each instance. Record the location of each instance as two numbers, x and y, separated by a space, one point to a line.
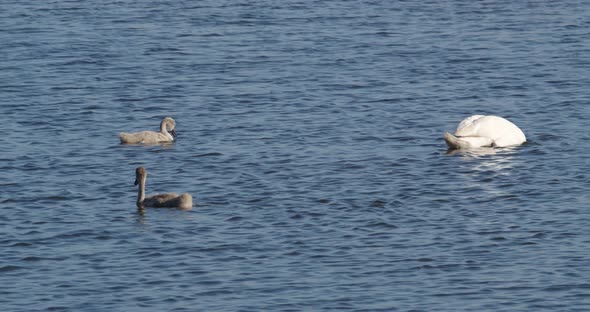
310 135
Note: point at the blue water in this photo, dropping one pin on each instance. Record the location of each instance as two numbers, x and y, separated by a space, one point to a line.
310 136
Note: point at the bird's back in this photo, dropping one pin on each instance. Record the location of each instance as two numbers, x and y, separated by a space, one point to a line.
169 200
501 131
145 137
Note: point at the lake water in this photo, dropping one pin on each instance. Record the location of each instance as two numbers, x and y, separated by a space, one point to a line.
310 136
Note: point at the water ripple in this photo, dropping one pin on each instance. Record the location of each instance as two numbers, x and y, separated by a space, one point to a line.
310 136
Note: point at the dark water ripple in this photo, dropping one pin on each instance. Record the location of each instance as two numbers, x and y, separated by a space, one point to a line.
310 135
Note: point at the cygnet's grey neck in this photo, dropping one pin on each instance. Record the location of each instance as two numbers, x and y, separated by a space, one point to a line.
141 192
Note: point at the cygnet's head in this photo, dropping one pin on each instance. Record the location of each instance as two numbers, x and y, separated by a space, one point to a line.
140 173
170 125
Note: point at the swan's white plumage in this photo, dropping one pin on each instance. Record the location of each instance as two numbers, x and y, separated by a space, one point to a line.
480 131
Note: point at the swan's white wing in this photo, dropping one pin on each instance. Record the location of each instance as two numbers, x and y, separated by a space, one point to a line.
501 131
479 130
468 126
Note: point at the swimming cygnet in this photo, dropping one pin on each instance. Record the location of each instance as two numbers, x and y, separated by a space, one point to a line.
485 131
166 134
168 200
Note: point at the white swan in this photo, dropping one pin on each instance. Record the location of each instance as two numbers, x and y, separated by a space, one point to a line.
481 131
166 134
168 200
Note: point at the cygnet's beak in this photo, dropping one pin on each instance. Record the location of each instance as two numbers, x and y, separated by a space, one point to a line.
173 134
136 182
